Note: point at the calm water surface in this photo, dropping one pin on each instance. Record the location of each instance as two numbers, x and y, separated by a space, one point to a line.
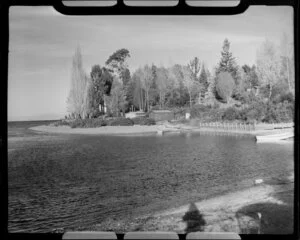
76 181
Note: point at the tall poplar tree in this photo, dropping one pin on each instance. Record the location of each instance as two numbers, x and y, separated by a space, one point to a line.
76 102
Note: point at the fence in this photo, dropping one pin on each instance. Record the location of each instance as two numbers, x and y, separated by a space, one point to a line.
246 127
228 126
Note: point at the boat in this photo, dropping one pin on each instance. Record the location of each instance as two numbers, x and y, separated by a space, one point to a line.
274 137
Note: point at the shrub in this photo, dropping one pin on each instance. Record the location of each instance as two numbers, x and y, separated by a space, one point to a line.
198 110
179 112
120 122
251 115
225 85
95 114
82 123
156 107
231 114
214 115
78 123
143 121
93 123
289 97
270 116
61 123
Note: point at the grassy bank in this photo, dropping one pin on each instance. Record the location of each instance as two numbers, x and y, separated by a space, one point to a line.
101 122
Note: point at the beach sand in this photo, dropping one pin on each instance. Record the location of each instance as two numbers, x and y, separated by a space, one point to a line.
233 212
107 130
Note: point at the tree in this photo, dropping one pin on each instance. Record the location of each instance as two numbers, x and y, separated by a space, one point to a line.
129 92
126 80
194 67
210 95
268 67
146 78
225 86
116 101
161 83
138 92
117 61
76 102
188 82
203 79
287 68
125 76
250 76
154 92
227 62
176 90
102 81
92 109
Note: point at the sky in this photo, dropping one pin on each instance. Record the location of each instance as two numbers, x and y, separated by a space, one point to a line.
43 41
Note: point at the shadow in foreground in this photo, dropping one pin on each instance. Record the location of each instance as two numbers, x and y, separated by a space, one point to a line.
194 219
266 218
269 218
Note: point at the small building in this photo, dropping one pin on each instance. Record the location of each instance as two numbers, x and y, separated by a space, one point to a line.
162 115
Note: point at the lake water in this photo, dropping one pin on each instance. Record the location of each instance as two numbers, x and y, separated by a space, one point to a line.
76 181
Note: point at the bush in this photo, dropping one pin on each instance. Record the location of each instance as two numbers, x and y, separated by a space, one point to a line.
61 123
198 110
96 113
179 112
289 97
214 115
82 123
77 123
92 123
225 85
120 122
156 107
231 114
143 121
87 123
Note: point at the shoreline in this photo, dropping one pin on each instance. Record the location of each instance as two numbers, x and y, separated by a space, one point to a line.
105 130
231 212
142 130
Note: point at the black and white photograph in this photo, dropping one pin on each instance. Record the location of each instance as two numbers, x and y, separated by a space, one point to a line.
125 123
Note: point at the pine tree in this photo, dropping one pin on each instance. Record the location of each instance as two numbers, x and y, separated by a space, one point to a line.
227 63
203 79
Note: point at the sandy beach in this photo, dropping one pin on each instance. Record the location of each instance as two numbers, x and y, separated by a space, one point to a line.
107 130
262 209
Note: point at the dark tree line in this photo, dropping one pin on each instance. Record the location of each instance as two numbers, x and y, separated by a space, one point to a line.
113 90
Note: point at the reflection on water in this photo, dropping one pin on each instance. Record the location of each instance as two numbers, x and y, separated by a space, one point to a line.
75 181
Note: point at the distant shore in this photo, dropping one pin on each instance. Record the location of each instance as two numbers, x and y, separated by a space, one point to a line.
149 130
105 130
